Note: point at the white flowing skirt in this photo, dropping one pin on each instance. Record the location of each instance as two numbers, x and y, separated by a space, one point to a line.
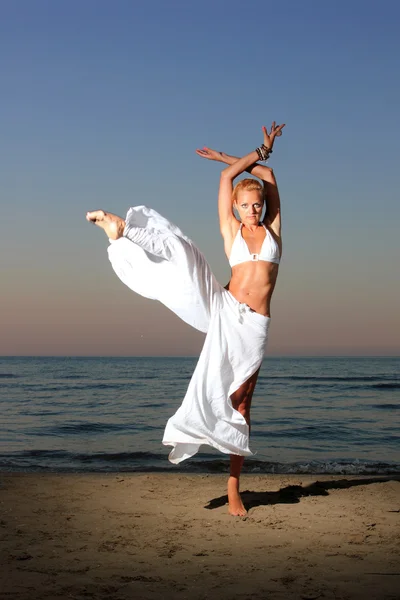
156 260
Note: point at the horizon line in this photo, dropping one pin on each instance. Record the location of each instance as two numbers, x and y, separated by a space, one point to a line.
194 356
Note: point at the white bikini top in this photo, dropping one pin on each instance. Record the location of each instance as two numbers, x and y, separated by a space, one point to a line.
240 252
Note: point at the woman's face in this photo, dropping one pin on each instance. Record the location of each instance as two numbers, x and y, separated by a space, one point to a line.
249 206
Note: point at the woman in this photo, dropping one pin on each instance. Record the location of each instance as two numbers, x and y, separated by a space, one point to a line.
155 259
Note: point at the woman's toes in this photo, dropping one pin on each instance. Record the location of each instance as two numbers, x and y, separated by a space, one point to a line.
95 215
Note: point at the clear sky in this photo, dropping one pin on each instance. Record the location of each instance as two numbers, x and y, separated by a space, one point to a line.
102 106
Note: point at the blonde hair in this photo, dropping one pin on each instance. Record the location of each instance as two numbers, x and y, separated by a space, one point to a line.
247 185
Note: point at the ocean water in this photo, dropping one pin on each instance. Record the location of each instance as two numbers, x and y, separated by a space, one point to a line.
309 415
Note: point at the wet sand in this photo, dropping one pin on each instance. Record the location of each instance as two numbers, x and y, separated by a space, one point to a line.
160 536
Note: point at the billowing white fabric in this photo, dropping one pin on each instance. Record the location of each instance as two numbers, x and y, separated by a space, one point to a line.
155 259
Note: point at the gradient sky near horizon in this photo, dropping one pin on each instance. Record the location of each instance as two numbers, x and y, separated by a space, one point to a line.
103 104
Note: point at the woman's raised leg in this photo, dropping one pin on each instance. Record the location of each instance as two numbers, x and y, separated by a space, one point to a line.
241 401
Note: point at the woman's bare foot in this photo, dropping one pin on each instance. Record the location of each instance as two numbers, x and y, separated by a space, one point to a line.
236 507
112 224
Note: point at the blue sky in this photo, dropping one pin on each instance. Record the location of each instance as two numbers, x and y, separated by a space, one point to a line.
103 104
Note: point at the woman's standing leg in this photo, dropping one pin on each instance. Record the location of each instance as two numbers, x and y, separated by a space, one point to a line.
241 401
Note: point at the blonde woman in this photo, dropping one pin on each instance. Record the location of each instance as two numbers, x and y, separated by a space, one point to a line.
155 259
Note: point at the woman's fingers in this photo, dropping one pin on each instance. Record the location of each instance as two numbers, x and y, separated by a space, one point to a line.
204 152
266 136
278 130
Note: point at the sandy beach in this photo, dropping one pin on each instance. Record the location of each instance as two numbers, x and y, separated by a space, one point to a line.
153 536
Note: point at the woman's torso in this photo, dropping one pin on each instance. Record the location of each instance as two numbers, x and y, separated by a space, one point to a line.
255 256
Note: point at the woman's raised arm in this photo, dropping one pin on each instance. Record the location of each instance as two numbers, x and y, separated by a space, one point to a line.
227 219
235 168
261 171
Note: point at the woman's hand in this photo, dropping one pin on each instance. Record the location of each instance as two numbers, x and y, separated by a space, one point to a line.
269 138
210 154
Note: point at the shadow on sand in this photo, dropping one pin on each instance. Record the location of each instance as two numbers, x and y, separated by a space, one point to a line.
292 493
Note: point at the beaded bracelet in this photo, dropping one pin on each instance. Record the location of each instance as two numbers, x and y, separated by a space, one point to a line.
263 152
